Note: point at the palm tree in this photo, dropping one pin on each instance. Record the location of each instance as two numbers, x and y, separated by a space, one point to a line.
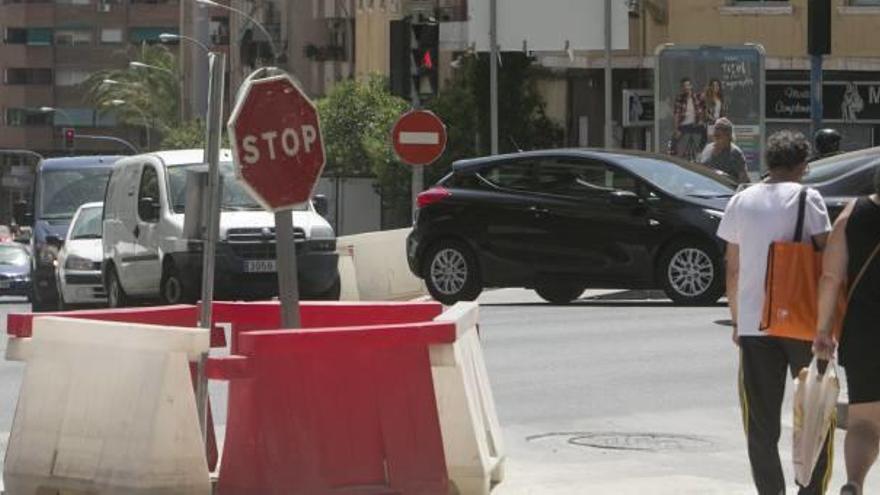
150 92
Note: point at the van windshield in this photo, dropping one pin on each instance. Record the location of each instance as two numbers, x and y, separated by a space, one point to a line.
235 197
63 191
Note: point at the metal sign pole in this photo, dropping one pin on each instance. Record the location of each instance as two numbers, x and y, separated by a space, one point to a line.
609 129
214 124
493 75
288 285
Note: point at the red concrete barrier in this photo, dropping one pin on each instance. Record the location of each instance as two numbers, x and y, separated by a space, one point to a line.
324 410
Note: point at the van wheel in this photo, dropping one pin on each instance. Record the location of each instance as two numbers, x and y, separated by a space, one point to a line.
691 272
116 297
173 289
451 272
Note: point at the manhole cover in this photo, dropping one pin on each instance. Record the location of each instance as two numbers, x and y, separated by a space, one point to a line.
645 442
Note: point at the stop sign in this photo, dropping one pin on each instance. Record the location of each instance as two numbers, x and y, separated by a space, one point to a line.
276 142
419 137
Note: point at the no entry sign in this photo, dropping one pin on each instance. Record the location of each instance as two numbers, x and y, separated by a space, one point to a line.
276 141
419 137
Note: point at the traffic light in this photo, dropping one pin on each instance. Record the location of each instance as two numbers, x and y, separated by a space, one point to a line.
69 137
426 38
819 27
414 52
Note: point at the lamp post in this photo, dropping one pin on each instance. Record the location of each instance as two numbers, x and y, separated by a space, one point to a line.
118 103
212 3
141 65
170 38
58 110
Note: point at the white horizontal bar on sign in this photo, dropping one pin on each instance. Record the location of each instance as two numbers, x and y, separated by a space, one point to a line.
419 138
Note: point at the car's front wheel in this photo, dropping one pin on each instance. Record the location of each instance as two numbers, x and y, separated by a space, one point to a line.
560 292
116 297
451 272
174 289
691 272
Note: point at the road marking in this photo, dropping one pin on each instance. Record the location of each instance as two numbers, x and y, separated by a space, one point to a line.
419 138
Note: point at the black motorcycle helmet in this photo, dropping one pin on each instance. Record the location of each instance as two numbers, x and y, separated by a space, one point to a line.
827 141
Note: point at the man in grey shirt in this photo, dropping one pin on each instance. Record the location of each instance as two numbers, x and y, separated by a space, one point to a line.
723 155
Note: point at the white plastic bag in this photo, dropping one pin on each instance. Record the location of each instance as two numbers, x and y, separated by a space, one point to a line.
815 405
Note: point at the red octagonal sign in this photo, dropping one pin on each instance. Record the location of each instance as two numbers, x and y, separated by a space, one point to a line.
419 137
276 142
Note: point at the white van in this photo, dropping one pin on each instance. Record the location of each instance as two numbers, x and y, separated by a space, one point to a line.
147 256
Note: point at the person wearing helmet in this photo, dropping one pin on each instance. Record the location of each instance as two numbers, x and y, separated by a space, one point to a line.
827 143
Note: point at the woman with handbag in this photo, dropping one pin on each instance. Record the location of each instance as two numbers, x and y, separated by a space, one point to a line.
851 256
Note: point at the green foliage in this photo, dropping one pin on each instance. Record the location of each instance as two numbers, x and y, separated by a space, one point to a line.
185 136
356 122
151 95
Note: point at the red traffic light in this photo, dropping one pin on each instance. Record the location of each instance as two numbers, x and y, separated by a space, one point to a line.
427 61
69 137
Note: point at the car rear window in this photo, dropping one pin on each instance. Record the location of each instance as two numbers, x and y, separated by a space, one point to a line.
511 175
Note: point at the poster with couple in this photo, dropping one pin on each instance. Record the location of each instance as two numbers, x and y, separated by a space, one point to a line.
696 85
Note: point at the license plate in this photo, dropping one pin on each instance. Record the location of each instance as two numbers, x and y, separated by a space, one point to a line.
5 284
259 266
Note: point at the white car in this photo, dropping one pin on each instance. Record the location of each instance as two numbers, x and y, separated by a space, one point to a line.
79 260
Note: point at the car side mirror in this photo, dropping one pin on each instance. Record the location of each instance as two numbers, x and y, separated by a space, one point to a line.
148 209
54 240
322 206
21 214
625 198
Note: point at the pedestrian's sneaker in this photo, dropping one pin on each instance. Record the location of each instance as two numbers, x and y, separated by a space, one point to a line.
849 489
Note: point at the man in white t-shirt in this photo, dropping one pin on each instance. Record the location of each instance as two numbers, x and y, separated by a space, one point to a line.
754 218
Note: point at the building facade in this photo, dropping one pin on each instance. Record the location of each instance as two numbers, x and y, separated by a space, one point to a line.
48 49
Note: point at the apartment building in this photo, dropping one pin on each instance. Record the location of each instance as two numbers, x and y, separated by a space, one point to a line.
48 49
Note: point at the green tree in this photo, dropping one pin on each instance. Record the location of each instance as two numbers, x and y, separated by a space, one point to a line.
356 122
148 94
464 107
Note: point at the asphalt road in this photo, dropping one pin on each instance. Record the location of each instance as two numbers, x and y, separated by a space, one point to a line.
618 393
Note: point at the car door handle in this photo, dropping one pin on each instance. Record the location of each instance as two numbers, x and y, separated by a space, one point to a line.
537 210
136 231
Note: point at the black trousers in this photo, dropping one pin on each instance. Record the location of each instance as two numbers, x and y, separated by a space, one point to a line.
763 365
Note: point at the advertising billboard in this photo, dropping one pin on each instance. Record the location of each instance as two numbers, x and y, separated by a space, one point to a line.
695 85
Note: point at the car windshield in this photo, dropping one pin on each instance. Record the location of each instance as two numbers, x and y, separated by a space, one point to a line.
88 224
13 255
63 191
235 196
682 178
832 168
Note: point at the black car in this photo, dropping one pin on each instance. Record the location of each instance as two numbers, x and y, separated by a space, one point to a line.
15 273
560 221
842 178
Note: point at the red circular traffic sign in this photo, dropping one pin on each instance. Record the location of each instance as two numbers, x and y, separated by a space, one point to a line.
276 142
419 137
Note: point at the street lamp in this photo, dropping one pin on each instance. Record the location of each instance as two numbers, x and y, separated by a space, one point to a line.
118 103
141 65
257 23
170 38
58 110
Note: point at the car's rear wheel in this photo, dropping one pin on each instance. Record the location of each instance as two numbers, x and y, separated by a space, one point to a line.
116 297
559 292
691 272
451 272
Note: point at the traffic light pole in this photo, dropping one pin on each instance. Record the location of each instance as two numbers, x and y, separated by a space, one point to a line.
493 73
418 171
815 93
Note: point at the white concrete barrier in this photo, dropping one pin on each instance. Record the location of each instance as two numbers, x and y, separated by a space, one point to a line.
472 438
106 407
373 267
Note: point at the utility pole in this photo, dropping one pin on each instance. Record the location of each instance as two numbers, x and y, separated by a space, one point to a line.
609 129
493 73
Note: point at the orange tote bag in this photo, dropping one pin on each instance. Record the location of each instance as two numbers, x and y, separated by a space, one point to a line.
792 286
